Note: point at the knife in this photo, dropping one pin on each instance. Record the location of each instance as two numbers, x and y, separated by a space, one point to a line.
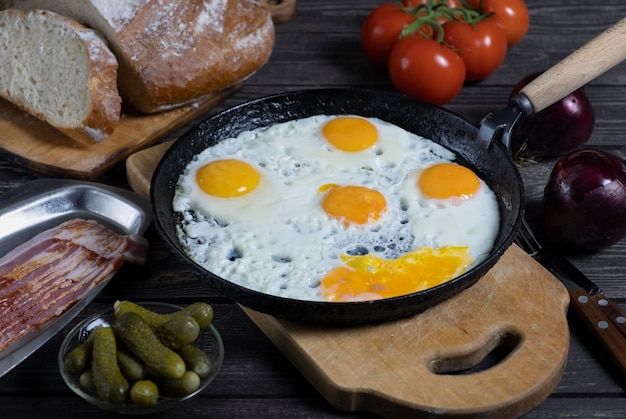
602 317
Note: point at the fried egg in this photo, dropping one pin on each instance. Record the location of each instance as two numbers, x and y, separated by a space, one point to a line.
230 190
334 208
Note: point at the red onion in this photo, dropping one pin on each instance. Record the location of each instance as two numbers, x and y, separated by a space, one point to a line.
562 127
585 200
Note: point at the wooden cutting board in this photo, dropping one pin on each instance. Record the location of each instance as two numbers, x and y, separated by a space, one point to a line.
407 367
281 10
29 142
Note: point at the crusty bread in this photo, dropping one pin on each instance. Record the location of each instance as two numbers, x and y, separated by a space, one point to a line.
60 72
173 52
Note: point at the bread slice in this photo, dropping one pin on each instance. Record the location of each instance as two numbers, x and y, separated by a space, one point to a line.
60 72
173 52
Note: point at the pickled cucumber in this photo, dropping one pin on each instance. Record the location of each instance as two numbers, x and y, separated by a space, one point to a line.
179 387
78 360
197 360
86 380
108 379
200 311
132 368
140 339
178 332
144 393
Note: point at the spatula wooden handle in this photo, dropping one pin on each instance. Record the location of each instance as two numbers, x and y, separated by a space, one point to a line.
579 68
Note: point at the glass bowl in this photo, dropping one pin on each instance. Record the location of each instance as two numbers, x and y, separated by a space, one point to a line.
209 341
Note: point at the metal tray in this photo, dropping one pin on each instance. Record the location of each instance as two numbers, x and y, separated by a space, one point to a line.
45 203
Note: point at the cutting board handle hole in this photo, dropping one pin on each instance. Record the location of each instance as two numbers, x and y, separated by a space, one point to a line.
489 355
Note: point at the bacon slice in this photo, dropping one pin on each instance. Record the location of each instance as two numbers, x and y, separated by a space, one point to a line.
44 277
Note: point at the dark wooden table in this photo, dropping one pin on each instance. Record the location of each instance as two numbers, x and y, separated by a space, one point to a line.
320 48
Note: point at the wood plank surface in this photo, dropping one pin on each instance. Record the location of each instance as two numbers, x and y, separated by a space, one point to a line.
319 47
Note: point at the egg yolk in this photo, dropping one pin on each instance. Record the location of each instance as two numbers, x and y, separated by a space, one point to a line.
354 204
448 180
369 277
350 133
227 178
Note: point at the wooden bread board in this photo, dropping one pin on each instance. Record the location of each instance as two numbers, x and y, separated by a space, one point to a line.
398 368
34 144
281 10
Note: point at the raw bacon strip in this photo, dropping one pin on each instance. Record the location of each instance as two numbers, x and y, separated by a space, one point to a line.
44 277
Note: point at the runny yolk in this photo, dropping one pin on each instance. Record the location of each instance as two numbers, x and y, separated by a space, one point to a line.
448 180
350 133
369 277
354 204
227 178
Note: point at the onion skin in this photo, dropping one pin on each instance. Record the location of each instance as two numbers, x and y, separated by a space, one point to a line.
585 200
559 129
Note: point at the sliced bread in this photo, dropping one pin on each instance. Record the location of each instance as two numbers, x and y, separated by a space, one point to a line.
60 72
173 52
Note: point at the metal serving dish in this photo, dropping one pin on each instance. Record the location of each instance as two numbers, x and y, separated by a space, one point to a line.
42 204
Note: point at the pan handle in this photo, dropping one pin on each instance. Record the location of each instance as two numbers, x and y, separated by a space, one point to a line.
579 68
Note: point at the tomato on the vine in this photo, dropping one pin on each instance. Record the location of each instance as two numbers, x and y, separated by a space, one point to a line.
431 47
482 45
425 69
512 15
381 30
440 19
415 3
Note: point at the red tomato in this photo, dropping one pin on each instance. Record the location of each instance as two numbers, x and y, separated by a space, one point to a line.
381 30
512 15
425 69
482 46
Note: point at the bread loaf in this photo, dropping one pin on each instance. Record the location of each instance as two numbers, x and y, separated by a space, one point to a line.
59 71
174 52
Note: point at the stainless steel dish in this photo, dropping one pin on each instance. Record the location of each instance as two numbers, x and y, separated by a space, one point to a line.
41 204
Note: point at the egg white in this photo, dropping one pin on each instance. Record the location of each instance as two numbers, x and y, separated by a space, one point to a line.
287 250
256 205
453 222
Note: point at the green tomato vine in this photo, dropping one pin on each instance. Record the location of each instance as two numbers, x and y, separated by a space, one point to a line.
431 14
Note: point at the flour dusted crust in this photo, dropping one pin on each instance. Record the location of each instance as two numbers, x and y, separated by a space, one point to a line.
60 72
174 52
188 49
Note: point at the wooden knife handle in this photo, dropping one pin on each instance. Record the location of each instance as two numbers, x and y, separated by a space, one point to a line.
615 313
592 311
579 68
